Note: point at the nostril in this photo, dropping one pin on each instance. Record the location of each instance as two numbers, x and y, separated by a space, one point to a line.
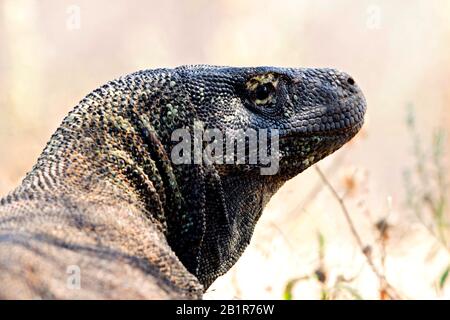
350 81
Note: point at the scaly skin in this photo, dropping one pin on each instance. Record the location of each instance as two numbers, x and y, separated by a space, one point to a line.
105 197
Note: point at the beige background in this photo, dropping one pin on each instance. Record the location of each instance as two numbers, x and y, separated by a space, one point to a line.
52 53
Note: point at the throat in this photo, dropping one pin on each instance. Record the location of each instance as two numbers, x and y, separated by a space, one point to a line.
233 207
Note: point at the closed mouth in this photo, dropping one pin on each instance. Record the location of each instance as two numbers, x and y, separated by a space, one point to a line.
293 133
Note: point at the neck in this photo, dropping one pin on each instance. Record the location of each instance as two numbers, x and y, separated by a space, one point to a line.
233 206
115 138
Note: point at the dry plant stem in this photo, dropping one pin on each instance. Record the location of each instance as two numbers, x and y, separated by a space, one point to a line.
431 231
440 234
319 186
391 292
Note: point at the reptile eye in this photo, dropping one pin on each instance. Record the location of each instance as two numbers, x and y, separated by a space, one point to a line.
263 91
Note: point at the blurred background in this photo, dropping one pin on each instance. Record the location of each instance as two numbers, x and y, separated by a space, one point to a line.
392 178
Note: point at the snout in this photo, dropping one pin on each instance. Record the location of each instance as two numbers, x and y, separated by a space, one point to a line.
330 102
349 108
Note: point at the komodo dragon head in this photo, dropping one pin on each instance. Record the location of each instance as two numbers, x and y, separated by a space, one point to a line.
315 112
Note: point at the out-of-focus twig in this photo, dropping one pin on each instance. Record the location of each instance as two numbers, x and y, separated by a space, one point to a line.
318 186
390 291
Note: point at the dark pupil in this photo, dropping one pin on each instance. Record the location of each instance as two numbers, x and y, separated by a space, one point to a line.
262 92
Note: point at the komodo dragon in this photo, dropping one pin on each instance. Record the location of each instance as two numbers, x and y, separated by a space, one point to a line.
106 214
